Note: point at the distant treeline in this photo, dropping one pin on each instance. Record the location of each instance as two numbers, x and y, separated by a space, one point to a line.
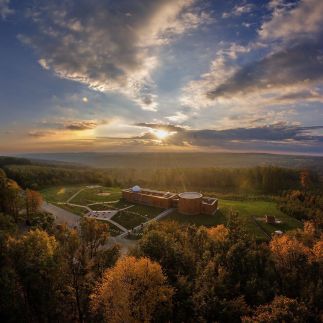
13 161
260 180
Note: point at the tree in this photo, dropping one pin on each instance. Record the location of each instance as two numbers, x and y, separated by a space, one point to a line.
34 260
33 202
94 234
218 233
135 290
281 309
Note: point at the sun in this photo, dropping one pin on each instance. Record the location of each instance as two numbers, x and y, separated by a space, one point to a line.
161 134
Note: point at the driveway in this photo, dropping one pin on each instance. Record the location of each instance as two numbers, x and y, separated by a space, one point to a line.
61 216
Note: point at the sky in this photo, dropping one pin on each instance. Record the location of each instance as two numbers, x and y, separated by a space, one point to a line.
161 75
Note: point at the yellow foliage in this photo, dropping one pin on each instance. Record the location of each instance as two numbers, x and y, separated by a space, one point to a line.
131 291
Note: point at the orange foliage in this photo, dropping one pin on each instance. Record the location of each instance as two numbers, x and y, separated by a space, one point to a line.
318 251
33 201
288 251
132 291
218 233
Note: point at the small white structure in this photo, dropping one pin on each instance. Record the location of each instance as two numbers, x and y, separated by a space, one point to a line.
278 232
136 189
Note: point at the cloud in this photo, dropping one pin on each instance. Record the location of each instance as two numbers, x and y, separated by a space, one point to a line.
40 134
110 45
290 21
178 117
5 10
168 127
81 125
284 65
239 10
299 64
280 132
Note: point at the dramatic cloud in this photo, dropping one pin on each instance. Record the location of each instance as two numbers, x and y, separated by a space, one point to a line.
299 64
5 9
289 70
110 45
272 133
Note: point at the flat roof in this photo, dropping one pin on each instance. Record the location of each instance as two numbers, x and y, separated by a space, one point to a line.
190 195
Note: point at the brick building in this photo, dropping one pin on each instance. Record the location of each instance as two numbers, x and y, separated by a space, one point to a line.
190 203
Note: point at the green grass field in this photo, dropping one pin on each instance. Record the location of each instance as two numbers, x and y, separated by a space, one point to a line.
206 220
146 210
94 195
59 193
104 206
250 210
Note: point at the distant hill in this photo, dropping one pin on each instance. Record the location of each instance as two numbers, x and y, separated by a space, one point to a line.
183 160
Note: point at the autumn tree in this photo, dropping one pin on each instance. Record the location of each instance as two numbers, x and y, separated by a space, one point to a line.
33 202
281 309
135 290
218 233
34 260
93 234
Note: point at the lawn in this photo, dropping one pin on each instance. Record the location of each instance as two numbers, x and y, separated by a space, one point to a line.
98 194
106 206
129 220
60 193
258 209
247 212
146 210
206 220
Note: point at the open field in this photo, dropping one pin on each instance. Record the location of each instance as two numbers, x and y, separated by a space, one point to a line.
248 210
60 193
94 195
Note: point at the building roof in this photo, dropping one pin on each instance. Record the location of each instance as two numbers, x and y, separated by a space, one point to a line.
136 188
190 195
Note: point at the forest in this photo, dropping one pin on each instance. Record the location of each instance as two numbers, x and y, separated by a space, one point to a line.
176 272
257 180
